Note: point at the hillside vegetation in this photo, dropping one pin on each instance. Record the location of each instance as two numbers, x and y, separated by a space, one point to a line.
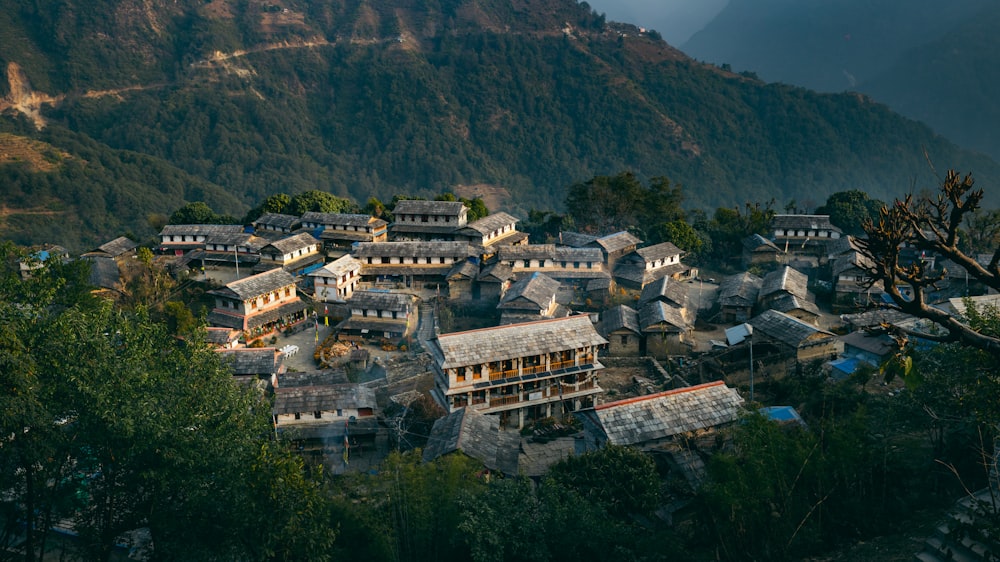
228 102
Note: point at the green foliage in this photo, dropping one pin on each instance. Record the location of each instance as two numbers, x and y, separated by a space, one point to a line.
276 203
729 226
621 480
319 202
685 237
605 204
199 213
848 210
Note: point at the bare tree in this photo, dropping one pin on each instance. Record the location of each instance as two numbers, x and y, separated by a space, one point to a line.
929 224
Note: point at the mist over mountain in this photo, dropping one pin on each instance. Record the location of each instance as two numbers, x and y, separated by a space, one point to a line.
122 109
676 20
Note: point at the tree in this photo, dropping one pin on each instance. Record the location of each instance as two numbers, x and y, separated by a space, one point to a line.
199 213
684 236
849 210
933 226
622 480
606 204
319 202
276 203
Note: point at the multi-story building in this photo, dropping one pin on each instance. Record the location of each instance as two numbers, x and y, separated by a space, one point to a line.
179 238
410 262
276 223
258 304
341 230
297 254
521 372
428 220
337 280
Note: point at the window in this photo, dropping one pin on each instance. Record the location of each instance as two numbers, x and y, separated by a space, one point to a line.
423 218
625 340
298 416
318 415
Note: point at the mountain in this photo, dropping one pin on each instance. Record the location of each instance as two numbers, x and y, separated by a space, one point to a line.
676 20
230 101
931 61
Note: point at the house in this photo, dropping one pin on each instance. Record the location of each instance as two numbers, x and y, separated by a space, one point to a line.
324 416
494 280
462 285
297 254
410 262
521 372
222 338
258 304
759 250
341 230
337 280
531 298
671 292
853 289
794 336
575 266
476 435
428 220
230 248
620 326
250 365
645 265
37 259
117 249
491 230
177 239
380 314
270 223
871 348
664 330
737 297
653 421
787 290
803 233
613 246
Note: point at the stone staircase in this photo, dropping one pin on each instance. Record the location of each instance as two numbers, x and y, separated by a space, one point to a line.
963 536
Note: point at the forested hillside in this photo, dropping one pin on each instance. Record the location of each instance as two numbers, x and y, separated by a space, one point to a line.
229 102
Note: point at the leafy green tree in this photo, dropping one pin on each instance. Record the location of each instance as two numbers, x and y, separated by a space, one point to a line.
199 212
320 202
477 208
849 210
622 480
276 203
729 226
605 204
685 237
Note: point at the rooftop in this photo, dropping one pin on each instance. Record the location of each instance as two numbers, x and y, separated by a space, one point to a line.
478 436
421 207
256 285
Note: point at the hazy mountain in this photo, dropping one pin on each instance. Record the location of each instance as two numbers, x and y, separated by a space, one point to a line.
676 20
229 101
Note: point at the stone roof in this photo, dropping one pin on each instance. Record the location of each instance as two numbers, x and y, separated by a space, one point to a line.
375 325
981 303
342 219
339 267
421 207
464 269
550 252
247 239
325 377
277 220
788 303
877 344
575 239
487 345
116 247
476 435
803 222
654 314
491 223
638 275
636 421
251 361
496 272
413 249
293 243
739 290
785 279
849 260
665 288
617 242
659 251
755 242
842 245
371 300
537 289
104 273
221 336
199 229
784 328
297 399
256 285
620 317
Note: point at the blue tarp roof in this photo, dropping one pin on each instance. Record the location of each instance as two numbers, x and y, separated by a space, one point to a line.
781 414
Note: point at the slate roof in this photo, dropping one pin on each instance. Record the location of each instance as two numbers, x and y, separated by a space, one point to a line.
463 270
617 242
877 344
665 288
659 251
637 273
575 239
322 398
256 285
247 239
285 310
490 223
221 336
375 325
252 361
371 300
325 377
104 273
803 222
654 314
339 267
981 303
343 219
788 303
537 289
784 328
420 207
478 436
739 290
550 252
278 221
516 340
785 279
117 247
645 419
618 318
755 242
293 243
199 229
496 272
842 245
412 249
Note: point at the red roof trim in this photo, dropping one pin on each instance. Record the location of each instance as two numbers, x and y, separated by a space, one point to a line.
659 394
